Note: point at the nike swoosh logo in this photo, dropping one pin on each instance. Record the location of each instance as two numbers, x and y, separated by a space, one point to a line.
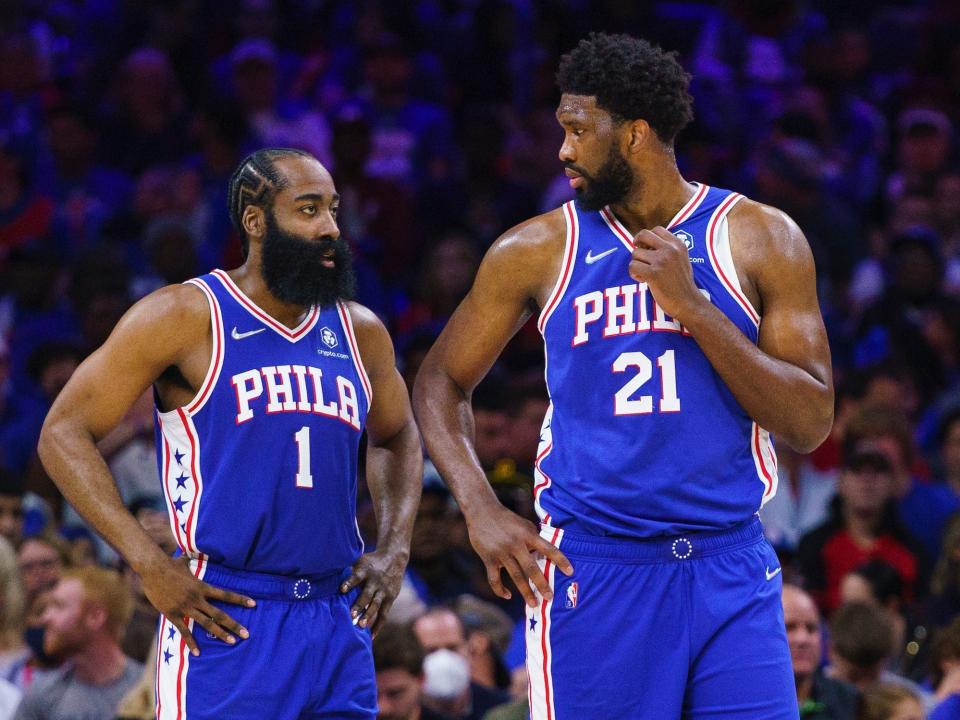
591 258
241 335
772 575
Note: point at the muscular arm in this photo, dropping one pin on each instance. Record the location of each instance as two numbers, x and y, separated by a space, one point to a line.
518 271
784 382
156 333
162 330
394 469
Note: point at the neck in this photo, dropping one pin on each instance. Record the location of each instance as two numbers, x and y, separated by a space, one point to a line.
804 687
861 525
100 663
654 204
249 278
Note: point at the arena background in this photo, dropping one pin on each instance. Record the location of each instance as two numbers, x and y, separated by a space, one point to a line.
121 121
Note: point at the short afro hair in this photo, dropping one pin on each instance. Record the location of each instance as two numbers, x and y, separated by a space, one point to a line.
631 80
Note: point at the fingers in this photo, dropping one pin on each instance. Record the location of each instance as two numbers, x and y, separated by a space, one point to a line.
382 616
519 578
496 582
207 623
368 616
224 623
553 554
363 600
535 575
181 626
226 596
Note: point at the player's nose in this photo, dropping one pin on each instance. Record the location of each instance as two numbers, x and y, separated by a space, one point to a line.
566 153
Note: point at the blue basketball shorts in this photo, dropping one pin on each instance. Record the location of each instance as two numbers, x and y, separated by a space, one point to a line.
681 627
304 658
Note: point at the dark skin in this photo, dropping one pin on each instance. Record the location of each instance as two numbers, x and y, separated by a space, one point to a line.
165 340
784 382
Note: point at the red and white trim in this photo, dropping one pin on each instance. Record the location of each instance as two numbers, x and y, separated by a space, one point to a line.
626 237
216 355
171 683
539 649
765 460
182 480
721 258
313 314
566 271
541 481
347 323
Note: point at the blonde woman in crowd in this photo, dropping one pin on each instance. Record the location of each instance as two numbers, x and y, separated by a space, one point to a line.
12 608
12 647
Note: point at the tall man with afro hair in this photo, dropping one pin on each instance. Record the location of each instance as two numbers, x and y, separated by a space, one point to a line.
681 330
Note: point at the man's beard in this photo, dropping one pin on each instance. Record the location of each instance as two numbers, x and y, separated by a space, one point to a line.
611 184
294 272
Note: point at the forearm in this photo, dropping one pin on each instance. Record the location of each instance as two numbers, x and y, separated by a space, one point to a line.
395 476
70 457
784 399
446 420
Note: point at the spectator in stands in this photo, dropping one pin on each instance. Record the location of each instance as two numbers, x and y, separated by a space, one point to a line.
441 629
945 671
11 507
922 507
819 697
890 702
944 602
398 660
13 650
860 649
878 583
85 618
862 526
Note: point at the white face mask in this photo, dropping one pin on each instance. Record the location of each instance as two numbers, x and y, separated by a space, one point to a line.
447 674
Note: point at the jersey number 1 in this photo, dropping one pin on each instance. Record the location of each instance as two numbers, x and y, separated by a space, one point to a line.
643 405
304 478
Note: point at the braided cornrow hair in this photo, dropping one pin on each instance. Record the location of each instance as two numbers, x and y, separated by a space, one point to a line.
255 182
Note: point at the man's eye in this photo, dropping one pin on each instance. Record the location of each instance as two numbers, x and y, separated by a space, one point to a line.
334 210
309 209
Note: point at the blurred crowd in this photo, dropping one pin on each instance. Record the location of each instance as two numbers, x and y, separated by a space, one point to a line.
121 121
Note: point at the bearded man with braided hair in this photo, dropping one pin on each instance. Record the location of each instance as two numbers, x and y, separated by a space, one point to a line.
264 376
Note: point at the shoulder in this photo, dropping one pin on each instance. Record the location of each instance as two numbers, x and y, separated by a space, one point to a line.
373 340
760 231
543 234
526 258
184 306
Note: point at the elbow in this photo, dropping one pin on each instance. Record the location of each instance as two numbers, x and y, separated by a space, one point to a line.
814 431
47 442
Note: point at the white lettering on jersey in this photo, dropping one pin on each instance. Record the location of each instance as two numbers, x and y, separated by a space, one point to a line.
622 310
247 386
584 318
285 395
276 389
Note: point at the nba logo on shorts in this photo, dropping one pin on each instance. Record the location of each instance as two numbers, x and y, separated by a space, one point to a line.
329 337
686 237
572 590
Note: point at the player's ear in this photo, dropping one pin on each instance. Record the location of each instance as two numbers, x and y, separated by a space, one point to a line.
638 134
253 221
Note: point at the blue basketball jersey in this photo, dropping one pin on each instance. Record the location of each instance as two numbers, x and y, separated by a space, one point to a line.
259 470
642 437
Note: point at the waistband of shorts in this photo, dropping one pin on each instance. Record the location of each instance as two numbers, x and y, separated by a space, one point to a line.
263 586
674 548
